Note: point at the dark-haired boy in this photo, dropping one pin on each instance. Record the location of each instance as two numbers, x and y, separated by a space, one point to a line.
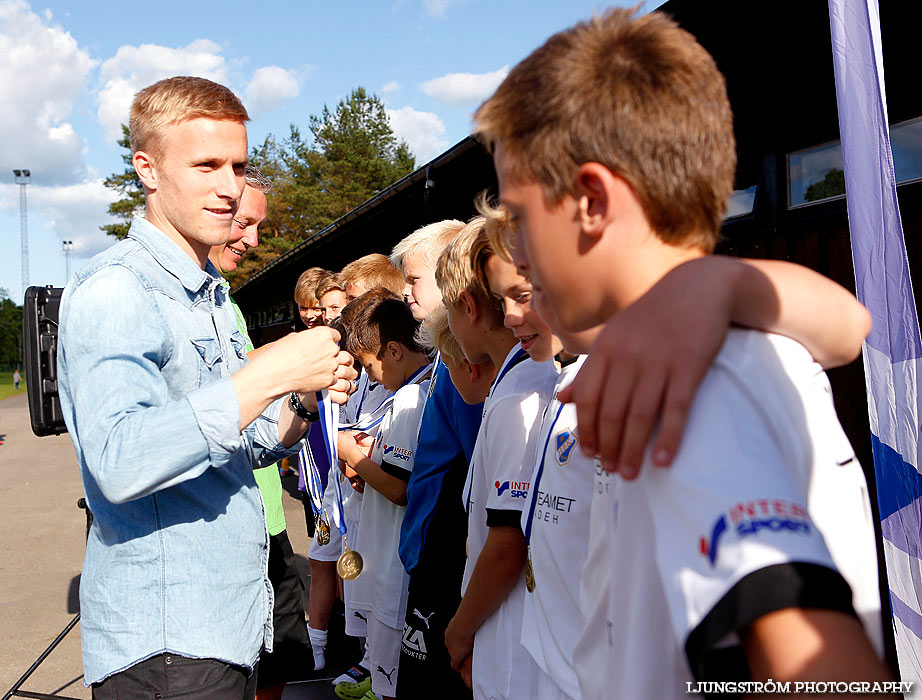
382 338
753 557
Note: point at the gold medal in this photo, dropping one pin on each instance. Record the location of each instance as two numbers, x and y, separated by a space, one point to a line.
529 573
350 564
322 529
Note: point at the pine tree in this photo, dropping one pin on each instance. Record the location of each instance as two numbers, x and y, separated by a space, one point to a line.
129 187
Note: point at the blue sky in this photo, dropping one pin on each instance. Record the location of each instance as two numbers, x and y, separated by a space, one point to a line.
70 70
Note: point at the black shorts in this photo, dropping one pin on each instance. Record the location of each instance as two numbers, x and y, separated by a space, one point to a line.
179 678
291 658
433 598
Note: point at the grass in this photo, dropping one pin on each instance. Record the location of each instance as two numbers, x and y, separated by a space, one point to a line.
6 385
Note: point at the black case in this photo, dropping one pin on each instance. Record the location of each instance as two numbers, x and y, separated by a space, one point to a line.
40 348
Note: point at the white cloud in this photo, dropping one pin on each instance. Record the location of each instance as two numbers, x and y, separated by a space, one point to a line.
76 212
135 67
462 88
43 75
270 87
392 86
423 132
437 8
73 212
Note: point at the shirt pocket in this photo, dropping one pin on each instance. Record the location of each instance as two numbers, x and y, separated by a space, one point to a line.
239 343
209 352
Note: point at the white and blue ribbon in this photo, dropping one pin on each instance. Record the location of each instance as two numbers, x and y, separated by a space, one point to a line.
893 350
329 423
312 479
539 472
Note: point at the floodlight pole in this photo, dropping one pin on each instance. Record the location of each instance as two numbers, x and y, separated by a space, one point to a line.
67 246
23 178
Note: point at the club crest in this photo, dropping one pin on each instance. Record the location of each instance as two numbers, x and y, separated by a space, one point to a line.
564 442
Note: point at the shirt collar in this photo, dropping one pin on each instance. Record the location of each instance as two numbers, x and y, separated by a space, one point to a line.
171 258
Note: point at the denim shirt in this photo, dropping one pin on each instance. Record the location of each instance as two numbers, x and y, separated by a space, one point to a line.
176 558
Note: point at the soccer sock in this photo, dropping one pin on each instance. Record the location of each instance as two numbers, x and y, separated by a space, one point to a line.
319 646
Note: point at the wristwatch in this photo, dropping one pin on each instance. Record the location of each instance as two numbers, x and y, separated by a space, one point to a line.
295 402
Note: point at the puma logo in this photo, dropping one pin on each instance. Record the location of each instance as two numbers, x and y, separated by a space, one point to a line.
356 613
424 618
388 675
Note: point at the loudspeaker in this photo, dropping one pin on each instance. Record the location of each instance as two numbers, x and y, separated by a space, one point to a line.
40 348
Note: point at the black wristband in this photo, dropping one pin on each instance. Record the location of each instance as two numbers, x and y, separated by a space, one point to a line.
295 402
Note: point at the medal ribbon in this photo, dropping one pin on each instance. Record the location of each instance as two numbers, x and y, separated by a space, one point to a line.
312 479
539 471
519 357
329 423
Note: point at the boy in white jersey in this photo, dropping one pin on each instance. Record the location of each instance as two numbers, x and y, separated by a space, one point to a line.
381 336
487 625
555 519
753 557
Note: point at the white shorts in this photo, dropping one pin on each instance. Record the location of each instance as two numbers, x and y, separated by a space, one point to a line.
548 689
383 656
330 551
356 617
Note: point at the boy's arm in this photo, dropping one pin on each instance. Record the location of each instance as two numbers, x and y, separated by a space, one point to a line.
645 367
495 574
802 644
391 486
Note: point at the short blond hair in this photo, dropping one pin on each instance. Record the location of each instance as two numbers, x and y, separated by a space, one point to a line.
429 241
306 286
460 268
178 99
434 334
497 225
331 283
638 95
372 272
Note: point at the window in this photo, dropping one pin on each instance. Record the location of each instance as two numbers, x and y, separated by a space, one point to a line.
818 174
906 144
741 202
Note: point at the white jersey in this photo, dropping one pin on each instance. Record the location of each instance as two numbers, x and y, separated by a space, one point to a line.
765 507
495 492
556 522
382 587
367 397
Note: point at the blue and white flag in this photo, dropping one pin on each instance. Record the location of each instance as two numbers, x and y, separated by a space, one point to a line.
893 350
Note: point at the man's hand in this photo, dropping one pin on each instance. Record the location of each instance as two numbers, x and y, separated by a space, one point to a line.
646 365
357 483
307 361
344 385
460 645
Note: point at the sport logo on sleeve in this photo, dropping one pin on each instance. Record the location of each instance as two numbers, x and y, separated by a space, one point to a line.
516 489
564 442
751 517
398 452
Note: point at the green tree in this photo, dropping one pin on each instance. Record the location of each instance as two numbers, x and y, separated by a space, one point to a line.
127 184
361 153
10 330
830 186
351 154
